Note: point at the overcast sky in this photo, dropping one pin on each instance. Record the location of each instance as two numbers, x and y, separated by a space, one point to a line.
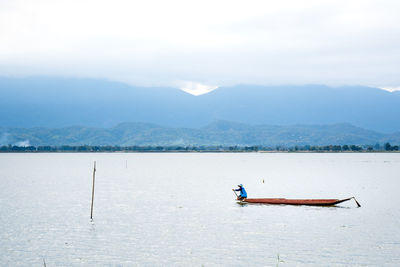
204 44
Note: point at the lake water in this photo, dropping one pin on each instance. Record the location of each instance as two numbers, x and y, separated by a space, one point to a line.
179 210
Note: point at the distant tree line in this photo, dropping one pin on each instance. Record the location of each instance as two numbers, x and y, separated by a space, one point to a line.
306 148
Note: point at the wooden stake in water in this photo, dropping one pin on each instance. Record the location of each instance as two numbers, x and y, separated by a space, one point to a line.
94 175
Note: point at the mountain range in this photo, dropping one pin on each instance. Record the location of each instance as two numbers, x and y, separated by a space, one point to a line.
63 102
69 111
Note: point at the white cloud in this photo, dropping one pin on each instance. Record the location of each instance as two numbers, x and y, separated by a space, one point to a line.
24 143
195 88
215 42
391 89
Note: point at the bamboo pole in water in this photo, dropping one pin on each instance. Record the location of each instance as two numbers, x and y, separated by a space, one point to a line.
94 175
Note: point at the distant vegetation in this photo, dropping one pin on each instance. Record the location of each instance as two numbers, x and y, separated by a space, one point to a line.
331 148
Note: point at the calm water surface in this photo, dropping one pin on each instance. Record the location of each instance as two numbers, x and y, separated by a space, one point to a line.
179 210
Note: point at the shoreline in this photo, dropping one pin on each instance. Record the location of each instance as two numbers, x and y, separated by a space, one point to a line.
387 148
203 151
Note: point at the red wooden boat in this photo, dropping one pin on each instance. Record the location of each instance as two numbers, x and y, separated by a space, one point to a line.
309 202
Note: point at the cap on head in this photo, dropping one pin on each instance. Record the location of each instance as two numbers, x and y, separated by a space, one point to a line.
240 185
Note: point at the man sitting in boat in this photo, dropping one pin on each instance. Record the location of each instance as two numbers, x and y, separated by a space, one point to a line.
243 193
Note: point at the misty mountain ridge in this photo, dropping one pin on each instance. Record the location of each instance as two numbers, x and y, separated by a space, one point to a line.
60 102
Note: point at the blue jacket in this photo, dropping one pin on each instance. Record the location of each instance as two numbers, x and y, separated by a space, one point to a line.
243 192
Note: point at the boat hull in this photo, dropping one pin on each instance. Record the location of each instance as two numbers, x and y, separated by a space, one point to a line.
284 201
